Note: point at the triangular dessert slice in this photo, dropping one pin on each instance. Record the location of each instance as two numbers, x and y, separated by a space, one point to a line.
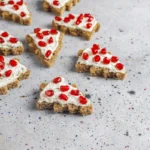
15 10
10 44
61 97
11 72
77 25
99 62
46 44
59 6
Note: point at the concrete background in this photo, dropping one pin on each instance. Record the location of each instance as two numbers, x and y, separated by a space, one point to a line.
121 118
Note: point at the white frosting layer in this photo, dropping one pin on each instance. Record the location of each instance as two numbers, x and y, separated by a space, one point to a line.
51 46
8 44
55 98
16 72
22 8
90 62
61 3
82 25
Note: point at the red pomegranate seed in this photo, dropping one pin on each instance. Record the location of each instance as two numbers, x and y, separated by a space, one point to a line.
50 40
2 65
78 22
48 53
36 30
22 14
53 31
97 58
11 2
58 18
103 51
80 17
96 46
55 2
87 15
49 93
82 100
95 49
71 16
46 32
13 40
63 97
5 34
39 35
1 58
106 60
64 88
2 4
114 59
1 40
90 19
20 2
119 66
74 92
15 7
85 56
66 19
42 44
13 63
8 73
57 80
88 25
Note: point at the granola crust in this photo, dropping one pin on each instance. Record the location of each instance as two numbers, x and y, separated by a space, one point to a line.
9 16
59 11
98 71
34 49
12 51
4 90
72 109
76 32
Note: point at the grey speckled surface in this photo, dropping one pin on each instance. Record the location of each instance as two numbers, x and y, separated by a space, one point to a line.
121 118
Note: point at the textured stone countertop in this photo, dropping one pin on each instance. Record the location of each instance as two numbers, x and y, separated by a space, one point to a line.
121 118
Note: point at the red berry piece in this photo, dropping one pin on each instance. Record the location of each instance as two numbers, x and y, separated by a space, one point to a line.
46 32
36 30
53 31
80 17
90 19
96 46
57 80
15 7
11 2
106 60
64 88
13 63
13 40
8 73
5 34
42 44
75 92
114 59
48 53
56 2
71 16
82 100
87 15
49 93
22 14
95 49
2 4
78 22
20 2
63 97
103 51
88 25
50 40
66 19
85 56
97 58
1 40
119 66
1 58
58 18
39 35
2 65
